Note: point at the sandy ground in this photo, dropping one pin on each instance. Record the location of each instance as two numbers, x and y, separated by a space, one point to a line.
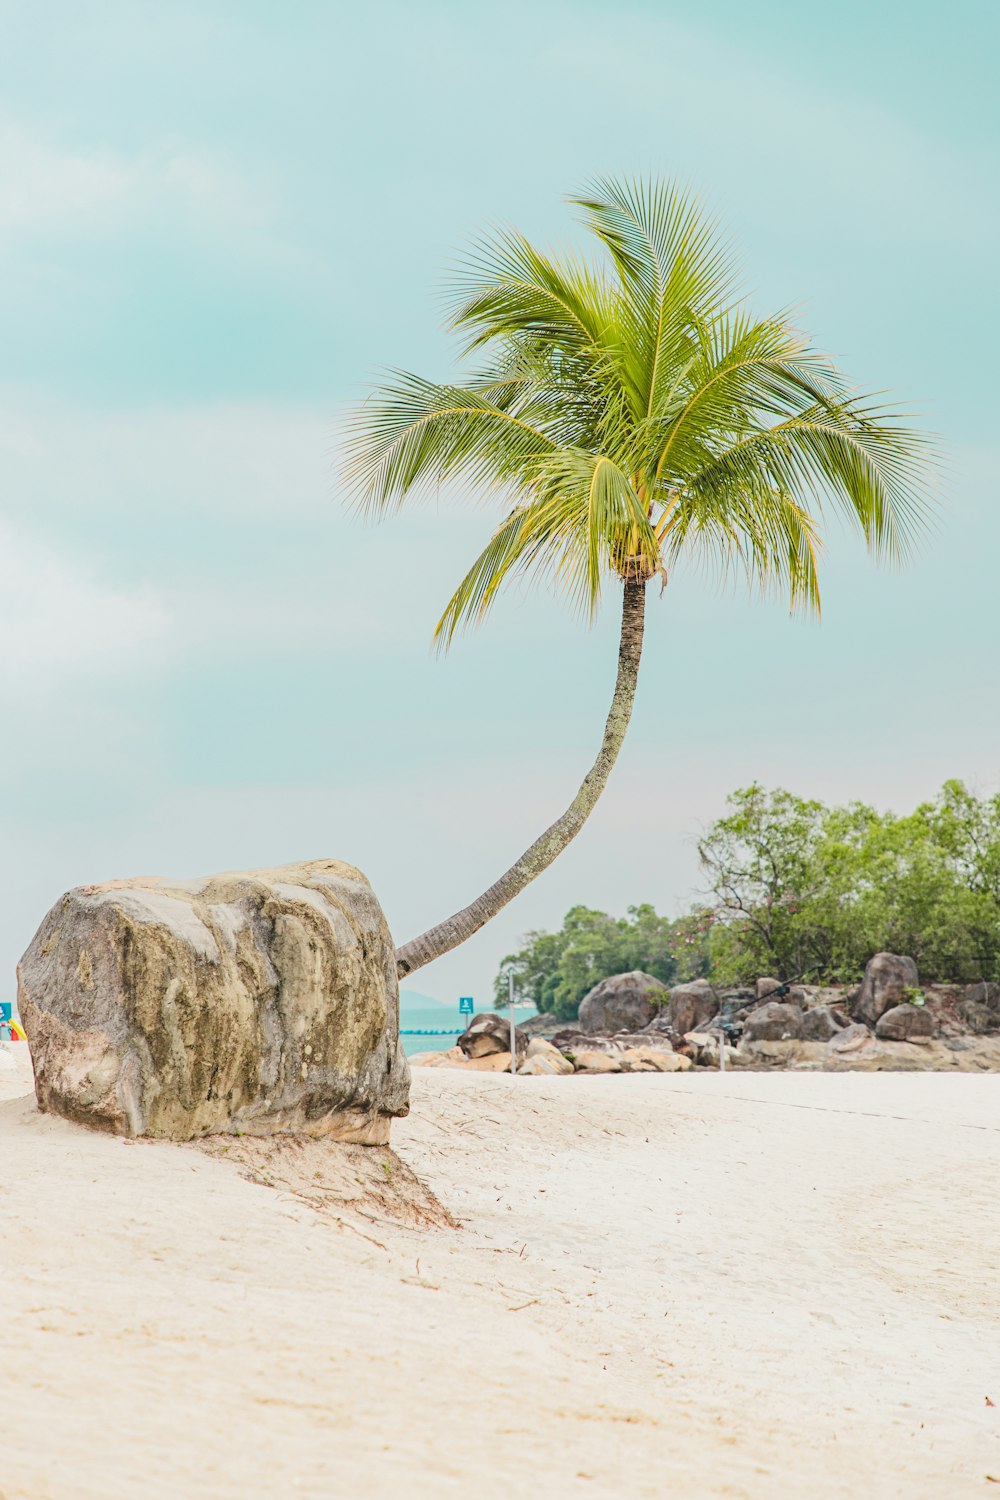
767 1285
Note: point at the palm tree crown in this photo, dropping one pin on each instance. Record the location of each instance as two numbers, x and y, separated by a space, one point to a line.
631 411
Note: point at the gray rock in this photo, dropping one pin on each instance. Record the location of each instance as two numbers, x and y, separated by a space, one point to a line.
853 1038
539 1025
593 1061
987 994
905 1023
703 1049
654 1060
976 1017
691 1005
570 1041
887 978
258 1002
781 1053
821 1023
773 1022
542 1058
624 1002
488 1033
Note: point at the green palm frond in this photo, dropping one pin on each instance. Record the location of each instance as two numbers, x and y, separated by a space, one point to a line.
583 521
670 261
631 411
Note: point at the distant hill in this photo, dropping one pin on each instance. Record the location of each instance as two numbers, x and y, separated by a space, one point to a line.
414 1000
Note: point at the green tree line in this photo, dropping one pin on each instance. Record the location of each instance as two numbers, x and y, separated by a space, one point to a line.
556 969
797 889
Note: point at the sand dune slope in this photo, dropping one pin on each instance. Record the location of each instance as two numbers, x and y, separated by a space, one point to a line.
755 1286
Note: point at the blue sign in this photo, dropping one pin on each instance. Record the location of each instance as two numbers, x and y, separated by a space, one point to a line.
466 1005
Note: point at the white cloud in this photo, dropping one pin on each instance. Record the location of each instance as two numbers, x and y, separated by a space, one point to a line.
41 185
220 486
56 617
46 188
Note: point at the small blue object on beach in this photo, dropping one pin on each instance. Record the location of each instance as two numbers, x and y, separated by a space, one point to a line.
6 1014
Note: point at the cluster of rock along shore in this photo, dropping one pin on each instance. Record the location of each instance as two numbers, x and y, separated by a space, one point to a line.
631 1023
266 1001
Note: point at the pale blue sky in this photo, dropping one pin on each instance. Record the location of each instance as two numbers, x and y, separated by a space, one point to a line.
217 222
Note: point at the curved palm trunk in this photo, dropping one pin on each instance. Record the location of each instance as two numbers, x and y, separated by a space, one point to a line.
543 851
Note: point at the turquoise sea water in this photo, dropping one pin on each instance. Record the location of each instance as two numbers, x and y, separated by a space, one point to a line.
430 1016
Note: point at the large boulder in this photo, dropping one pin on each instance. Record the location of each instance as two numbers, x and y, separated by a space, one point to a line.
258 1002
703 1047
544 1059
691 1006
572 1040
986 994
887 978
821 1023
625 1002
905 1023
773 1022
976 1017
597 1062
488 1033
852 1041
654 1060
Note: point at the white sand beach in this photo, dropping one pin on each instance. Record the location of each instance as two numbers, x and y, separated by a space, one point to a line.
744 1286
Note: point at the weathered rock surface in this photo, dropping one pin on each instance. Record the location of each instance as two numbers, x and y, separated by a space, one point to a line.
987 994
691 1005
260 1001
536 1024
543 1058
905 1023
833 995
570 1040
773 1022
453 1057
653 1060
887 978
975 1055
488 1033
703 1049
597 1062
493 1062
854 1038
625 1002
821 1023
976 1017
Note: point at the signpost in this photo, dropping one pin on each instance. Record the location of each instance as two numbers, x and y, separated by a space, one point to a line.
466 1005
513 1033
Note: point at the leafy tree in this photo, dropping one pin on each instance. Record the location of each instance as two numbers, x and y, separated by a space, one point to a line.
968 827
630 413
801 890
556 969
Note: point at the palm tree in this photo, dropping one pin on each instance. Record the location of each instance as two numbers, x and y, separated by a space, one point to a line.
631 412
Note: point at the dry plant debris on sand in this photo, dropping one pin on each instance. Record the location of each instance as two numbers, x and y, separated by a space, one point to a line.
752 1286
